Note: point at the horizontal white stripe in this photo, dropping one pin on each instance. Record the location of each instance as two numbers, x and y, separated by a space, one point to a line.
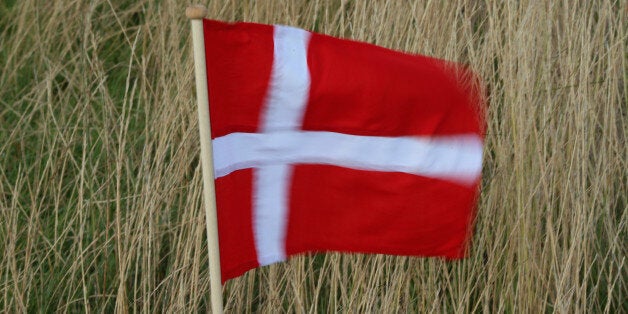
454 158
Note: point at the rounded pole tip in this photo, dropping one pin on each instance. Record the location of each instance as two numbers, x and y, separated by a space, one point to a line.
196 11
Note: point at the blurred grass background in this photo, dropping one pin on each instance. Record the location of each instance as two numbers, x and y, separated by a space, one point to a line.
100 185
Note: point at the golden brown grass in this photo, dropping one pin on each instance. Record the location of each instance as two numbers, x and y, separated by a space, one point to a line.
100 190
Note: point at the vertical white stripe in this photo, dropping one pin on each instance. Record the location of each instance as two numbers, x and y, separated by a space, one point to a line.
287 98
270 212
289 81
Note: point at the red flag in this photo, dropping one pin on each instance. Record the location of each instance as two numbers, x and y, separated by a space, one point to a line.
323 144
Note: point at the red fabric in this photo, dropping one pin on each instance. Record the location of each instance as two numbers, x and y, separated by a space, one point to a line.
362 89
235 230
340 209
239 59
358 89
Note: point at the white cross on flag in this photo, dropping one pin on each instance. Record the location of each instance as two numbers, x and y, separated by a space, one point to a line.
323 144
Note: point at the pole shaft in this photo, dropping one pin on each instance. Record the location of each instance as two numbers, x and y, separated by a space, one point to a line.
207 163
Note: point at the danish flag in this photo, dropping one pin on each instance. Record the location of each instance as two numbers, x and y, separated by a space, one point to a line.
323 144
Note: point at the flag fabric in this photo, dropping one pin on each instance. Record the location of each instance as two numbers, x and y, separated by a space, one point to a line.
324 144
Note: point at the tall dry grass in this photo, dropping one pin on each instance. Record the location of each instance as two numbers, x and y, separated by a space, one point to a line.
100 185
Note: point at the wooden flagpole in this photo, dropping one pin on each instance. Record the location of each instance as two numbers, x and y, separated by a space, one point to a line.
196 13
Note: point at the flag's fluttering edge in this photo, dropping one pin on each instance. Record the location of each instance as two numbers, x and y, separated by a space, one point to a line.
323 144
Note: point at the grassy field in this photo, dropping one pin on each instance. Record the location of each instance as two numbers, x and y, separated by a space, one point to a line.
100 184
